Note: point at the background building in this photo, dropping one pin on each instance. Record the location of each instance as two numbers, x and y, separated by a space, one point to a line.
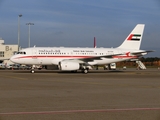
6 51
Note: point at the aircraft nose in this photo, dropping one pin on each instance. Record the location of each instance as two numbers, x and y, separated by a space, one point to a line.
12 59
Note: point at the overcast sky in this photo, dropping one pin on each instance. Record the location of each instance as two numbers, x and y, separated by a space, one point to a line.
74 23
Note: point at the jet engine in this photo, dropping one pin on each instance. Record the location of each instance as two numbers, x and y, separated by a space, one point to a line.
67 65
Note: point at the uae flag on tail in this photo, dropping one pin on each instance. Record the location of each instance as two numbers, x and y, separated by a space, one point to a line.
134 37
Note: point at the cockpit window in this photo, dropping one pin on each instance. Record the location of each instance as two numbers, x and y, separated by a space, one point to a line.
23 53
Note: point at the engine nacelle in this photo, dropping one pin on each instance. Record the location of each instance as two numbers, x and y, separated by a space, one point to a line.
67 65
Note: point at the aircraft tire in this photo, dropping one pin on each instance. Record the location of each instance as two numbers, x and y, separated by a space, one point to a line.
85 71
32 71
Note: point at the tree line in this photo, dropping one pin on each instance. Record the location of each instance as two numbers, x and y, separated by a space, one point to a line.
149 61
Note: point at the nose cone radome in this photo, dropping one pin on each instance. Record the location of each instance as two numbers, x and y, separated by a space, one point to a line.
12 59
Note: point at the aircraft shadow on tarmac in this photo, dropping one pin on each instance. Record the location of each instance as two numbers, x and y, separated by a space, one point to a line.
68 72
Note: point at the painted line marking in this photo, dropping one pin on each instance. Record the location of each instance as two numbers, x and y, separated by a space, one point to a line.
79 111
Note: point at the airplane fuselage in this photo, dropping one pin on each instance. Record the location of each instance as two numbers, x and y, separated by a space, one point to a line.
50 56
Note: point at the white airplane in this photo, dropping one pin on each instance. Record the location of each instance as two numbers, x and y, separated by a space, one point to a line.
73 59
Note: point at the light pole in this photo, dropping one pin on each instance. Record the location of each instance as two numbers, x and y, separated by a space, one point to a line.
29 33
20 15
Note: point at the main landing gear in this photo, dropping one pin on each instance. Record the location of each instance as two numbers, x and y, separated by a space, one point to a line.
85 71
33 69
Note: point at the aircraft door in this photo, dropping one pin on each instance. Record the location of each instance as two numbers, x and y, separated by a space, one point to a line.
34 54
38 61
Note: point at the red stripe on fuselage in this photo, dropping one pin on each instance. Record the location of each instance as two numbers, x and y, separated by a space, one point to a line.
70 57
125 57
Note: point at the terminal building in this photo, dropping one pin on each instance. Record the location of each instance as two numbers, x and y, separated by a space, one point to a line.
6 51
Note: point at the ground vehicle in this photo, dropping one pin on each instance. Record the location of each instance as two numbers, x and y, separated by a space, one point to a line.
12 66
24 67
2 66
112 66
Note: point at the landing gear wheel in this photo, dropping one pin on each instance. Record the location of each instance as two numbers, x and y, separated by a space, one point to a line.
85 71
32 71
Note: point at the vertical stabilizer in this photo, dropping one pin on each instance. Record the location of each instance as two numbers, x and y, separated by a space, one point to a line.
133 41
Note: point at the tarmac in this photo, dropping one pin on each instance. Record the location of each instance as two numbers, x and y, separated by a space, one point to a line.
99 95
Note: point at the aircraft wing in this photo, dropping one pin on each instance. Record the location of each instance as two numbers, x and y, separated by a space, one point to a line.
90 58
